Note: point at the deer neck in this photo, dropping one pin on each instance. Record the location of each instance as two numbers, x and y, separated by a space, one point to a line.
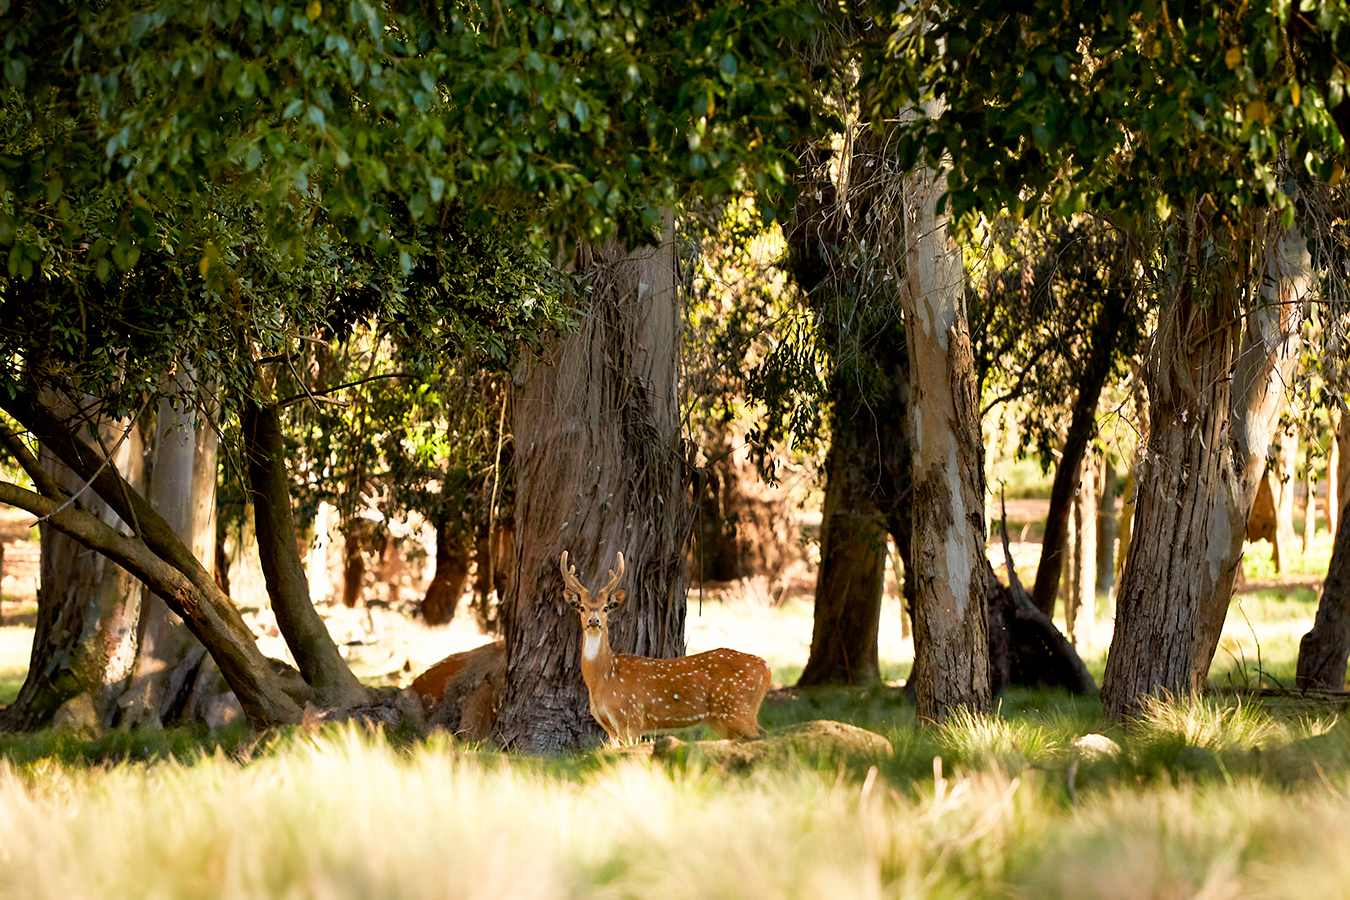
597 660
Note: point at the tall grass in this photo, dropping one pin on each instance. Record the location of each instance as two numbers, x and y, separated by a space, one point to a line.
343 814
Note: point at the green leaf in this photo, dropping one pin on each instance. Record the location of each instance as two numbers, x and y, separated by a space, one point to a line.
727 66
581 112
16 73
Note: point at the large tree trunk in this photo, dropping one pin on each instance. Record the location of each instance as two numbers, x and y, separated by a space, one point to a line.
951 666
1323 651
843 257
598 471
1213 410
86 631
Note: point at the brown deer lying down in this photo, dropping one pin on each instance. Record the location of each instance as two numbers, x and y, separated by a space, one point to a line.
631 695
461 693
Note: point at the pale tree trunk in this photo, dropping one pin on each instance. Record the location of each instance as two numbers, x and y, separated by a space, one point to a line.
599 471
1108 527
1081 611
1282 484
1197 480
183 491
1310 492
84 645
951 666
1267 359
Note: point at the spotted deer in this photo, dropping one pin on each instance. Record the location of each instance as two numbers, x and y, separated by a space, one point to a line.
631 695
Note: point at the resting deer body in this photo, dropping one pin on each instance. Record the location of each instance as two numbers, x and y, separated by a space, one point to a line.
631 694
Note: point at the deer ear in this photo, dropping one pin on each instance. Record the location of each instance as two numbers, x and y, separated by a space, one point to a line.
571 599
617 598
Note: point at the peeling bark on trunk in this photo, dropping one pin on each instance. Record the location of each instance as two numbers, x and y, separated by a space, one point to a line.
599 470
1216 380
183 490
1323 651
951 666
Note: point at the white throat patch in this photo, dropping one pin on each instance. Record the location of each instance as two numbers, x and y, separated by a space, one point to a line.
590 649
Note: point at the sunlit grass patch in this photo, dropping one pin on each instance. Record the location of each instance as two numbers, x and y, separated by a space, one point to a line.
16 643
1213 723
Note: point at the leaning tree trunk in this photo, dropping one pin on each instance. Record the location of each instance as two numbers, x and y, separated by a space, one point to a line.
315 652
85 638
599 471
1214 405
951 666
154 554
1104 339
1323 651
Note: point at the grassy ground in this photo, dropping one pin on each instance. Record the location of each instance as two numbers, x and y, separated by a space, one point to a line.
1227 797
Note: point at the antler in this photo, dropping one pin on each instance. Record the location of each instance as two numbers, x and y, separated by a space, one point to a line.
569 575
613 577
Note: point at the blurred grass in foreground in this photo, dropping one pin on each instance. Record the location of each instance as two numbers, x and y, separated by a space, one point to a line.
1215 798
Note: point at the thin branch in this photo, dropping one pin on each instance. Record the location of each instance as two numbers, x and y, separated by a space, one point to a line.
315 395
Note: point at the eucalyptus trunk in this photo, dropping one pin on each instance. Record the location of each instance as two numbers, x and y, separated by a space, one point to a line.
844 257
951 666
1216 380
183 491
599 471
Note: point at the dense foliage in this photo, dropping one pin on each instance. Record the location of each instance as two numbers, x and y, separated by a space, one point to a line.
1124 107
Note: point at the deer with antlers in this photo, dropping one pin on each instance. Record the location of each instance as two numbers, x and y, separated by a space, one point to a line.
631 695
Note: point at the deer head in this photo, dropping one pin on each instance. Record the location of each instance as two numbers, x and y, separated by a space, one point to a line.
593 608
